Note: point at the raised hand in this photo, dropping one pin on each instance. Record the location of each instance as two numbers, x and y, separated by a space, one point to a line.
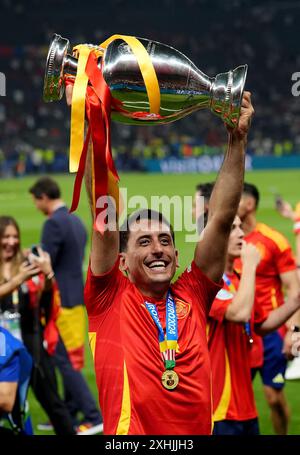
42 261
285 209
246 114
28 270
250 254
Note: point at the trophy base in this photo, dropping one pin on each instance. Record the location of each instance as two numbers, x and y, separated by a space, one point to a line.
227 93
54 86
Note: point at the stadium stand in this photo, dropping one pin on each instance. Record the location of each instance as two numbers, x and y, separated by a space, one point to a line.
35 136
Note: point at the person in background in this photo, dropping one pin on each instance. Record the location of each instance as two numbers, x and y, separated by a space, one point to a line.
15 372
29 296
285 209
233 318
277 269
64 238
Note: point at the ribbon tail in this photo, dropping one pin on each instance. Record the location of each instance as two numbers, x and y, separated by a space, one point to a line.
80 174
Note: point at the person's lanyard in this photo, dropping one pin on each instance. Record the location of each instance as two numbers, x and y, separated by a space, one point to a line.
168 342
233 290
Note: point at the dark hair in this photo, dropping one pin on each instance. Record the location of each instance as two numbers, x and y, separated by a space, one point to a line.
143 214
251 190
205 189
47 186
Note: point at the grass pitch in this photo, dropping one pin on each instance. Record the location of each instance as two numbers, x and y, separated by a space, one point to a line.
16 201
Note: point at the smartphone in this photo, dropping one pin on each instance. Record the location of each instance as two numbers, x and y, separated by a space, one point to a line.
34 250
278 202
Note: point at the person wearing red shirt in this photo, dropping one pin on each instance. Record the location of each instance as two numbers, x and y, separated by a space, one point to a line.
276 270
231 324
148 337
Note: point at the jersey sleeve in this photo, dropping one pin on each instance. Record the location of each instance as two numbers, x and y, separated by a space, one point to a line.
10 372
220 305
194 281
285 261
100 290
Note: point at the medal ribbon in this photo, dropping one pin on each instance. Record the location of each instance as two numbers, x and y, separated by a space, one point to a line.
233 290
168 342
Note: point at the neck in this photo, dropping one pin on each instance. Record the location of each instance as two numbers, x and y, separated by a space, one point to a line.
249 223
159 292
229 264
54 205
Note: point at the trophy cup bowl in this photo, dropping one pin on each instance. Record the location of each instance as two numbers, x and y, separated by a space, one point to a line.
183 87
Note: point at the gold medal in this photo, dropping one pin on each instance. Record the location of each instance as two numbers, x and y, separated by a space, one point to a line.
170 379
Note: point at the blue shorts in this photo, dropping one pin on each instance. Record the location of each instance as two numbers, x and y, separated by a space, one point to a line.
273 370
235 427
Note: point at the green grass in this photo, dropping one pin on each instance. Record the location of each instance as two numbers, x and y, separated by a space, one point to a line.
15 201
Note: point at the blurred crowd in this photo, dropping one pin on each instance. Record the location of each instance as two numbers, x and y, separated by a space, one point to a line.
35 136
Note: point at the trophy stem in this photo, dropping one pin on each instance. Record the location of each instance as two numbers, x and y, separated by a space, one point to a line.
70 65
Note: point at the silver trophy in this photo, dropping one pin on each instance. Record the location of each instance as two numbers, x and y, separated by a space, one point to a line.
183 87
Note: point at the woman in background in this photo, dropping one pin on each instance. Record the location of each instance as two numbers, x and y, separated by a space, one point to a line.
28 303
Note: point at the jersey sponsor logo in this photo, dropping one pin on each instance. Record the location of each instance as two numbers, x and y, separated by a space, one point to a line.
182 308
278 379
223 294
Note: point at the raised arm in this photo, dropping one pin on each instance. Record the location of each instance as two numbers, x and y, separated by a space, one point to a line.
278 317
104 247
241 306
210 253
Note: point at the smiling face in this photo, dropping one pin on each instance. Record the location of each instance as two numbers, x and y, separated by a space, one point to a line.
236 237
10 243
150 259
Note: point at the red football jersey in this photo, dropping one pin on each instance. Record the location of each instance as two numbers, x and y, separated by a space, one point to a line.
128 363
276 258
229 349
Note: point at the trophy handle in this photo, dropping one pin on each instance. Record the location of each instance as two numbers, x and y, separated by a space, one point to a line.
227 94
54 75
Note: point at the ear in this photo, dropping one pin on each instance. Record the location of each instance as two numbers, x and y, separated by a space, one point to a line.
123 264
176 258
251 204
